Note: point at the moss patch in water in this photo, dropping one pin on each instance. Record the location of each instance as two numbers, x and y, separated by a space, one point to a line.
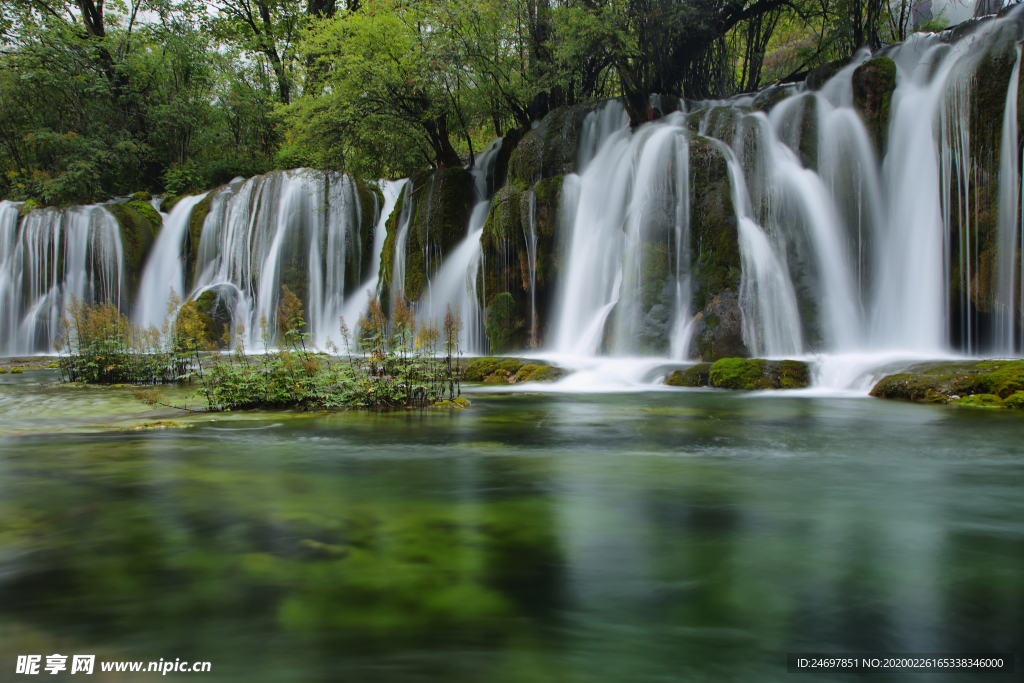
755 373
698 375
497 370
940 382
979 401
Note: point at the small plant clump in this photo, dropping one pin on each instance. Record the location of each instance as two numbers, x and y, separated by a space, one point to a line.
100 345
389 364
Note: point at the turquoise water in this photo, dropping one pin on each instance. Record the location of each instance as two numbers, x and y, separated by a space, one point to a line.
668 536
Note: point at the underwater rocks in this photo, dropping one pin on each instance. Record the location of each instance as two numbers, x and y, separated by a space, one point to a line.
873 84
994 384
744 373
510 371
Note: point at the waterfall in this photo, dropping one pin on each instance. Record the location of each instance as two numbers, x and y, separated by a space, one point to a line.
53 255
455 282
300 229
165 267
1008 304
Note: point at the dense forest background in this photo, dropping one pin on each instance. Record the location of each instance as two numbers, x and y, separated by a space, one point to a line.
106 97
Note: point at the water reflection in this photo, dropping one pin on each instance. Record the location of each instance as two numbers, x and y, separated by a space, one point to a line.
675 536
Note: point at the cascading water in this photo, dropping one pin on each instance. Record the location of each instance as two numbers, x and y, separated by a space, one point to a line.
897 241
299 229
455 282
52 255
165 268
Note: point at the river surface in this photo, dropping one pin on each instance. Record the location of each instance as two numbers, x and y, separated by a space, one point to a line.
690 535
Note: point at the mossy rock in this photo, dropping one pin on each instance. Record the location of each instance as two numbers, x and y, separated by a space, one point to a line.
16 371
456 404
3 371
820 75
698 375
371 200
552 148
714 238
1015 400
979 401
873 84
755 373
513 319
503 370
443 204
142 196
28 206
195 233
168 202
538 373
940 382
387 255
767 99
139 224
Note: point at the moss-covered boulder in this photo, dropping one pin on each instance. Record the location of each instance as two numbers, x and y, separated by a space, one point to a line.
368 204
717 330
552 148
820 75
715 254
873 84
769 97
142 196
139 224
979 401
498 370
941 382
698 375
195 232
168 201
433 210
517 280
755 373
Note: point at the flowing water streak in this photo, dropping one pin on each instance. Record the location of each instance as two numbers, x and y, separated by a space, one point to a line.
165 267
299 228
771 318
356 304
682 326
57 254
909 310
454 284
1006 307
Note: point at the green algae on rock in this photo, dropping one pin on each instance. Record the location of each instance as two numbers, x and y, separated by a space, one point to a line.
945 382
139 224
873 84
694 376
499 370
755 373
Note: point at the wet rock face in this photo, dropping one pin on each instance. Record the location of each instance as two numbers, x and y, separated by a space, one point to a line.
443 204
714 248
140 223
552 148
717 330
873 84
513 319
820 75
